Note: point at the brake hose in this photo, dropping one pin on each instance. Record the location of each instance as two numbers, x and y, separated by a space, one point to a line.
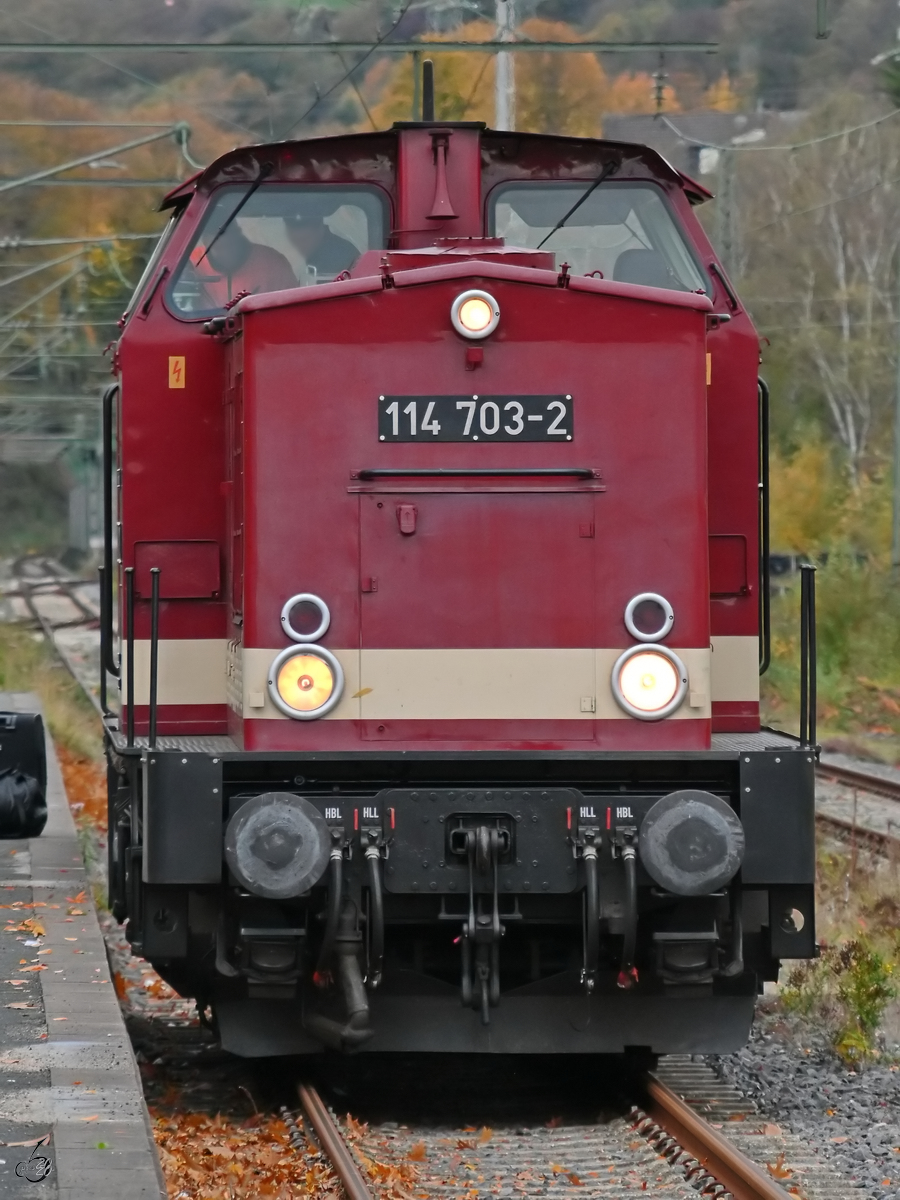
335 888
628 974
592 925
376 917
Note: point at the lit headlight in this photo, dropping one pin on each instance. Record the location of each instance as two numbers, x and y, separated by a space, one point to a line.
305 682
475 314
649 684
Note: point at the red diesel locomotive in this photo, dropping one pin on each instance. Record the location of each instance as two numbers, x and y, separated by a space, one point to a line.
434 499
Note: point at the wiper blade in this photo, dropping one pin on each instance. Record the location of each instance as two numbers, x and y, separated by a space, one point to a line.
609 169
265 170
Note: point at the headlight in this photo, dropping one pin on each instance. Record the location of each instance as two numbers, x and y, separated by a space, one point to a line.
649 684
475 314
649 617
305 682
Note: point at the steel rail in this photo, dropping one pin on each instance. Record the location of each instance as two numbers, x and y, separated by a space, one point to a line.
333 1144
876 784
713 1152
846 831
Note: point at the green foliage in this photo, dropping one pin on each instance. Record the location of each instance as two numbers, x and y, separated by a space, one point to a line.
28 664
33 501
865 987
850 986
858 642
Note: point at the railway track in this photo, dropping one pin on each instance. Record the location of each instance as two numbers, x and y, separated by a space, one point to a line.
660 1146
859 807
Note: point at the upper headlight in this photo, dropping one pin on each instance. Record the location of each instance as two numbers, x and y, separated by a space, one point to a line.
475 314
649 684
305 682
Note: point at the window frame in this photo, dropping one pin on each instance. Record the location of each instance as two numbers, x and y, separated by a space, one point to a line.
212 199
494 196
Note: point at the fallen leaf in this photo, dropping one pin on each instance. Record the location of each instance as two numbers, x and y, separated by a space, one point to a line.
417 1153
485 1135
95 1117
777 1169
362 692
20 1004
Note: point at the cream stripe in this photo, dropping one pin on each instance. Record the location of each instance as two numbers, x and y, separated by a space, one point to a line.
526 684
518 684
191 671
445 684
735 668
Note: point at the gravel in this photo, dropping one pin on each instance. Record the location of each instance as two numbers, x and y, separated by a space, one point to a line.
849 1117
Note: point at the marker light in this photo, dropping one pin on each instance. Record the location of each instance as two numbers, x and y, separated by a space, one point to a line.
305 682
305 617
649 617
649 684
475 314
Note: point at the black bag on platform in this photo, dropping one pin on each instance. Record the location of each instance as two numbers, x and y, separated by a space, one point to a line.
23 775
23 809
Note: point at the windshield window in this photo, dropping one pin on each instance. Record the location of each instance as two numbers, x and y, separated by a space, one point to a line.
151 266
284 236
622 231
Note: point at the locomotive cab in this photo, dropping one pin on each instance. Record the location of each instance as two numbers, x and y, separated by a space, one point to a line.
438 544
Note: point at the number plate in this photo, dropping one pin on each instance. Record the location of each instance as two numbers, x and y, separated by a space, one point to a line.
475 419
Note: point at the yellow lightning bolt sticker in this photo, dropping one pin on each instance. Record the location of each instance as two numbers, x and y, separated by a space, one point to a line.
176 370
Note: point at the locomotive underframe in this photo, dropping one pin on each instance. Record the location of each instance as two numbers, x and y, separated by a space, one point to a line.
460 890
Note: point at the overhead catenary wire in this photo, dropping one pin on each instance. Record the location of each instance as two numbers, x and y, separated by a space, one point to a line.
151 83
84 159
16 243
320 96
57 283
756 146
799 212
398 47
53 262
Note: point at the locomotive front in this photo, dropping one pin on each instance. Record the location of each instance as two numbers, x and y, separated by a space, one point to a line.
440 666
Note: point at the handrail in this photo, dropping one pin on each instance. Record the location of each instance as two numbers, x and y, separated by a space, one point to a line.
129 653
462 472
106 592
765 599
808 655
154 653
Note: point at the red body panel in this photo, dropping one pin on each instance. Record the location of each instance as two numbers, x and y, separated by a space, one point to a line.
297 384
537 564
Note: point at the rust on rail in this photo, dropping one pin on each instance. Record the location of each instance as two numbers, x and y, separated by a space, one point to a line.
333 1144
743 1178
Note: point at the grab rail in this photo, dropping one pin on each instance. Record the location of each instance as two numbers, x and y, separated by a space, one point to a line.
462 472
808 654
765 612
106 579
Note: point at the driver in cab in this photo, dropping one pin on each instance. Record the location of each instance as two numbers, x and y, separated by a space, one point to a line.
243 268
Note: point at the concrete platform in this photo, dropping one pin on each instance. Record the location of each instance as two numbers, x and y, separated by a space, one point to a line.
66 1063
